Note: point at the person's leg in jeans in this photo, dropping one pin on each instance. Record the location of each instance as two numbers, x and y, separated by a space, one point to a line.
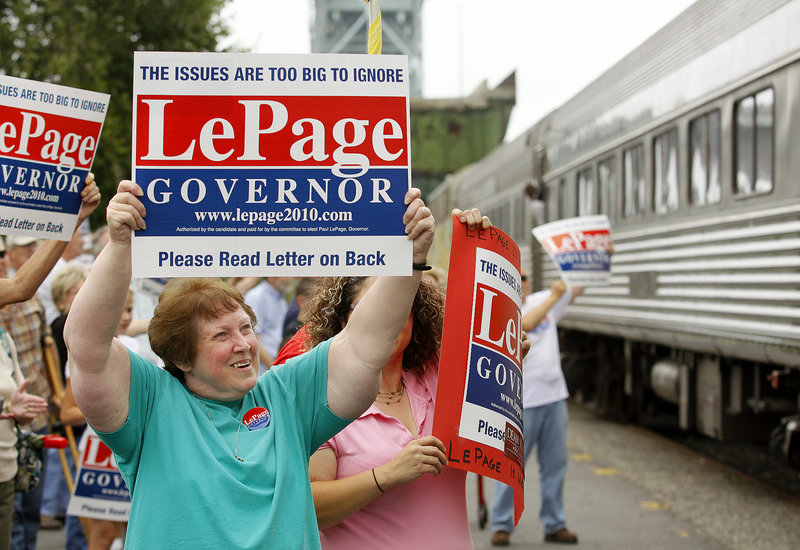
6 511
55 495
552 456
502 506
26 519
73 529
75 538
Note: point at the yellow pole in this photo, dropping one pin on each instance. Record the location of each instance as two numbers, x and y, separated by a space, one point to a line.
375 38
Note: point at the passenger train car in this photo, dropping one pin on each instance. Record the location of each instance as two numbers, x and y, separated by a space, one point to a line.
691 146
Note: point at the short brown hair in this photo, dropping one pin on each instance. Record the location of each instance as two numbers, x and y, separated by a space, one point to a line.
332 301
173 328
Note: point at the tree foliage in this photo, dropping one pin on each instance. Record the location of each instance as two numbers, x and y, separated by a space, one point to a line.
89 44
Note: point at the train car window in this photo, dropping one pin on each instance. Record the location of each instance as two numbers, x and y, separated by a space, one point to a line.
633 181
586 193
754 143
607 183
704 159
765 124
665 172
562 198
518 228
551 199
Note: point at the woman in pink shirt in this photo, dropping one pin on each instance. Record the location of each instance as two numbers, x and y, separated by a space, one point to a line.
384 480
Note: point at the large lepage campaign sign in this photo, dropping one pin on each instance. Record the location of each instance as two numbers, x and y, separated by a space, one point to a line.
48 139
283 164
479 392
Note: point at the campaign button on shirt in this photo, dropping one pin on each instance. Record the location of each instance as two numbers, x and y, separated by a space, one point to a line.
256 418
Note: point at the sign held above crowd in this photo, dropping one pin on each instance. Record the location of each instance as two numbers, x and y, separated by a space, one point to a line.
285 164
580 247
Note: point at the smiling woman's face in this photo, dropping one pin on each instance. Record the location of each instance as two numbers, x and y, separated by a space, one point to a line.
226 360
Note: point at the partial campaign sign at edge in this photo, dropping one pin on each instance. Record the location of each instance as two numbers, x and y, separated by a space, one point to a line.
48 139
260 164
479 394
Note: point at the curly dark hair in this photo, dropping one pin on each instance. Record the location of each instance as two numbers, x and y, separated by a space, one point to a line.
330 307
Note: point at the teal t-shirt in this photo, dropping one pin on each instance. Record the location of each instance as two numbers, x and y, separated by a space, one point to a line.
177 455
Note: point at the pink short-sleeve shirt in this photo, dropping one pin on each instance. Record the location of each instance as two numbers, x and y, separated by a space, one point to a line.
429 512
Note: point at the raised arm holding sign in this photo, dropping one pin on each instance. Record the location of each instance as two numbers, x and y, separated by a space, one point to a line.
25 282
545 416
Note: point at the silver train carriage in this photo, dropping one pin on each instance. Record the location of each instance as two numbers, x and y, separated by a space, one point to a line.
691 146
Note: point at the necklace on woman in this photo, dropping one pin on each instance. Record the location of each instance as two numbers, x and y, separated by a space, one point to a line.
390 397
236 442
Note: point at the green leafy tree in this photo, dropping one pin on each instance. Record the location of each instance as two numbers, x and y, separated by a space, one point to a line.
89 44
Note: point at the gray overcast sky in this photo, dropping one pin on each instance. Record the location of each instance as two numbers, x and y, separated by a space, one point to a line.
557 47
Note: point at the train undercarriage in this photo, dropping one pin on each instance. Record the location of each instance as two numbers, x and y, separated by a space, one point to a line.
725 399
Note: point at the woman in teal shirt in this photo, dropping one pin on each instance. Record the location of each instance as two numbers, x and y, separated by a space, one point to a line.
213 456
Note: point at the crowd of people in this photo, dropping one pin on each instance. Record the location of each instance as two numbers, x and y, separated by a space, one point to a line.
301 408
27 394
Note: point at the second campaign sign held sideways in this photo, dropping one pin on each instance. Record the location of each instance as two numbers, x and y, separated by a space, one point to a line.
479 394
284 164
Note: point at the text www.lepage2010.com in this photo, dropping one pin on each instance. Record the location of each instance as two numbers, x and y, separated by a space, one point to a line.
274 216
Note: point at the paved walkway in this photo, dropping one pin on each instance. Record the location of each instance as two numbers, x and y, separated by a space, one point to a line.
629 489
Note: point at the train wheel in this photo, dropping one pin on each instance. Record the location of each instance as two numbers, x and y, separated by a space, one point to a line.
777 439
